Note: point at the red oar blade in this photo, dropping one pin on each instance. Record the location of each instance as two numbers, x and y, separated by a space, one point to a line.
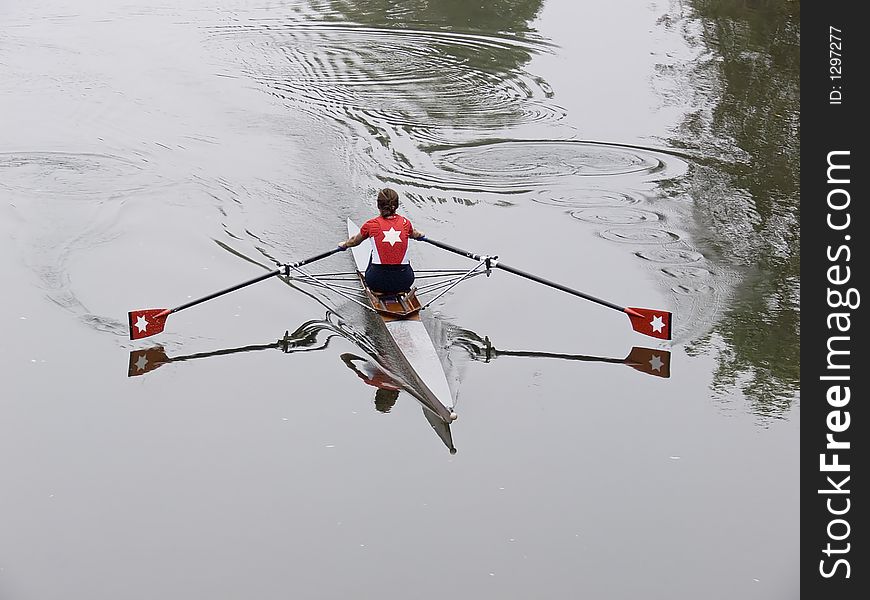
142 361
148 322
654 323
649 361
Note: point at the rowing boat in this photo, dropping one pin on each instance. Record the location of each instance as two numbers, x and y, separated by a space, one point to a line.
400 315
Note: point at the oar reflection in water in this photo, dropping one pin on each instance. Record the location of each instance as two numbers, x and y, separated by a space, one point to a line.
651 361
306 339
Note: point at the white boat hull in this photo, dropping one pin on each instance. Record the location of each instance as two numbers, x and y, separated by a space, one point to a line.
415 345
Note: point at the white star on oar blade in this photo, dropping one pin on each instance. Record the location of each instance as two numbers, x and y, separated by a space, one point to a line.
141 324
656 363
392 236
141 363
657 324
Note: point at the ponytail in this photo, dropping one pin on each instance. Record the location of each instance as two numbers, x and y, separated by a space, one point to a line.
388 202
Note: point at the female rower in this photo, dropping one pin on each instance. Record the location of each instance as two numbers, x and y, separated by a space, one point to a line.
389 270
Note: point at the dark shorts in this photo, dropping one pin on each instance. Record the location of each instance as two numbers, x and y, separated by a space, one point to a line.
389 278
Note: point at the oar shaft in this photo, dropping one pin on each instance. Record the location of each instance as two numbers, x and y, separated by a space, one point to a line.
581 357
559 286
520 273
225 291
315 258
257 279
453 249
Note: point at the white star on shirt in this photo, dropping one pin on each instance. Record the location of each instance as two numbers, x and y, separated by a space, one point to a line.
141 324
656 363
141 363
657 324
392 236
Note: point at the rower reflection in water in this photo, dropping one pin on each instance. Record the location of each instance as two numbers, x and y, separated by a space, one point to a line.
388 388
385 400
388 392
389 270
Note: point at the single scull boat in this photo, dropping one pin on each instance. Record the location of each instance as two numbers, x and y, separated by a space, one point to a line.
400 314
401 317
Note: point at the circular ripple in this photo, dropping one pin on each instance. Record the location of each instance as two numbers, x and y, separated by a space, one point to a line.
590 198
692 290
670 255
417 77
640 235
523 166
615 216
64 173
545 159
686 272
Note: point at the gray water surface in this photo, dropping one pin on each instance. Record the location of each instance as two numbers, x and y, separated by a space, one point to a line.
645 153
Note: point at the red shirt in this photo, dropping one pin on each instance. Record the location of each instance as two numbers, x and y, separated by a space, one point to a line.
389 236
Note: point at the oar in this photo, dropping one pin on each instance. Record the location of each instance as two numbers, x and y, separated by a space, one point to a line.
150 321
654 323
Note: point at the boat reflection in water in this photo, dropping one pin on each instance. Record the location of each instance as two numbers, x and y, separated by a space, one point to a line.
316 335
389 385
372 368
310 336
